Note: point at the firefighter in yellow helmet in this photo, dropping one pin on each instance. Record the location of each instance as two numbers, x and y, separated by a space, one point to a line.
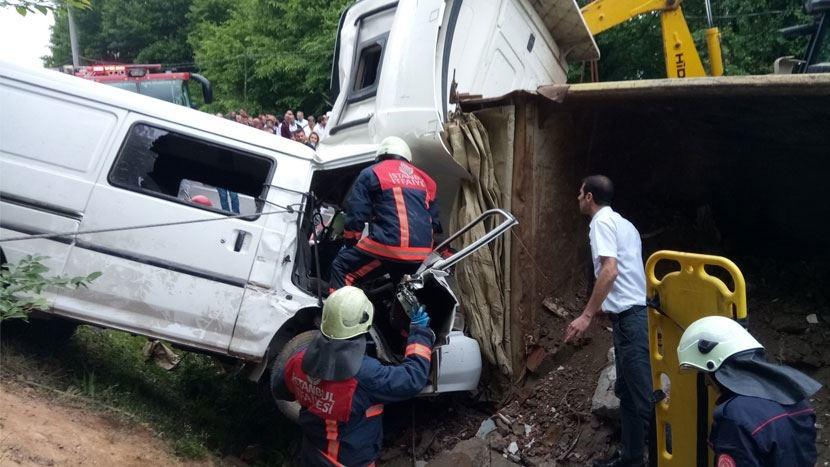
341 390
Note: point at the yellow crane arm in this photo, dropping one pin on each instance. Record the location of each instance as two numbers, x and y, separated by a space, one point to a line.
681 57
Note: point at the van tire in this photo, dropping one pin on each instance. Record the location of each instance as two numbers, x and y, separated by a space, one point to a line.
291 409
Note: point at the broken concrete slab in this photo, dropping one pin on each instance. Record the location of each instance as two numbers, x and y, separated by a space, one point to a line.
472 452
605 403
487 427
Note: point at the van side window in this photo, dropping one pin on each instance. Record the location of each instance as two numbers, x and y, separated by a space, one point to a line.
183 169
367 66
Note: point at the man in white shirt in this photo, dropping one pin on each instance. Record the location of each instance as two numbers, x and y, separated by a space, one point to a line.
321 128
301 119
620 293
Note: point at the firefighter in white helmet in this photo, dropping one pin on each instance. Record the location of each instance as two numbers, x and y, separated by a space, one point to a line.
341 390
398 201
762 416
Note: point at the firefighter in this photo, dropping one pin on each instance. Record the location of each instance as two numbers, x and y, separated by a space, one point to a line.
341 390
762 415
398 201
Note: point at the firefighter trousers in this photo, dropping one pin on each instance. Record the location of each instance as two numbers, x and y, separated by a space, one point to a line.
352 266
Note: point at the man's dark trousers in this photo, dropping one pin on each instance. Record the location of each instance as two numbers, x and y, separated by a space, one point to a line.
633 385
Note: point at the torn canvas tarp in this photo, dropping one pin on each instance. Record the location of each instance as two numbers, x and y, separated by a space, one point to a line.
480 277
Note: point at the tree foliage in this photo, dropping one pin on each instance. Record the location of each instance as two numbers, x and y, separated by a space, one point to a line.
25 7
22 286
259 54
267 54
270 55
125 31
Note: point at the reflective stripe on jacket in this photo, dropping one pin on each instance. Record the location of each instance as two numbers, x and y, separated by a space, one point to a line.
341 420
398 201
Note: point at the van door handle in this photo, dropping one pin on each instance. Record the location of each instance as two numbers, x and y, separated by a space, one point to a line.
240 240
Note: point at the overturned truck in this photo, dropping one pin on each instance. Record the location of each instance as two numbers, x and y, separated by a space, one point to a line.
470 86
734 166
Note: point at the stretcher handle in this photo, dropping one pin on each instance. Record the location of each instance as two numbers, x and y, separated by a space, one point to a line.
508 222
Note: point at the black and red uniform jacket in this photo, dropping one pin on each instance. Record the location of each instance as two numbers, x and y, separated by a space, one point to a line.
755 432
341 420
398 201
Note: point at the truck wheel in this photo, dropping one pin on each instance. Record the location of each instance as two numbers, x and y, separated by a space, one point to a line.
291 409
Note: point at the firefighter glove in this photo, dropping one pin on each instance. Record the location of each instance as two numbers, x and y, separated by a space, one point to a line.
420 317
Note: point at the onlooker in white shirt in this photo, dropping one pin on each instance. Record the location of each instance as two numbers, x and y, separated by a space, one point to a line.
620 292
309 129
322 126
301 119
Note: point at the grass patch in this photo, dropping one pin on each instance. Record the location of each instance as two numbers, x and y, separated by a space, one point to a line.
200 407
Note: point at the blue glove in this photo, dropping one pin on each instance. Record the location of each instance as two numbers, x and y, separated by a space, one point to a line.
420 317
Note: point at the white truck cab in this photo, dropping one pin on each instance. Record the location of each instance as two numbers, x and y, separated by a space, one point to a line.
396 63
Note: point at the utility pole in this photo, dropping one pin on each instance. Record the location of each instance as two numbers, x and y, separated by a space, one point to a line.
73 38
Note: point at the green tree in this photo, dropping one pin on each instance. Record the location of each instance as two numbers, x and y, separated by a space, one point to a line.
749 38
88 24
267 54
25 7
126 31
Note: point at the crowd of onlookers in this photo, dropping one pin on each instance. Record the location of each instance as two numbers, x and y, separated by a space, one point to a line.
307 130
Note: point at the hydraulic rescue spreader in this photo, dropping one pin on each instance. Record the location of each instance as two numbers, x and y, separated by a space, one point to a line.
682 59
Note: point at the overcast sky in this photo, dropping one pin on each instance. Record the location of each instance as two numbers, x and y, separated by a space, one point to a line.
24 39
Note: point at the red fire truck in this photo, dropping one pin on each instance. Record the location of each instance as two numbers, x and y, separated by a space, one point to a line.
150 80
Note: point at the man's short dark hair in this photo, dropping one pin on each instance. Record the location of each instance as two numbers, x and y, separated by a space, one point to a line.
600 187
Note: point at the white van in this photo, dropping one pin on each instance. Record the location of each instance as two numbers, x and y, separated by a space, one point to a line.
236 275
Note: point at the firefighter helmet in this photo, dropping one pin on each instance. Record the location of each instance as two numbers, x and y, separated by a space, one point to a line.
394 146
346 314
709 341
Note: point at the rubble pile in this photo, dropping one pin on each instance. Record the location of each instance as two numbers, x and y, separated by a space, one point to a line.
565 413
554 422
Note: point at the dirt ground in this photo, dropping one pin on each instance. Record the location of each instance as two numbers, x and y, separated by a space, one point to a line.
548 415
38 430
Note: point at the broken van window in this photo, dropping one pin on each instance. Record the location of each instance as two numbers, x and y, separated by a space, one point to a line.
187 170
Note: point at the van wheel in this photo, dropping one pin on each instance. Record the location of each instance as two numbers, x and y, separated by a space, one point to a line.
291 409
